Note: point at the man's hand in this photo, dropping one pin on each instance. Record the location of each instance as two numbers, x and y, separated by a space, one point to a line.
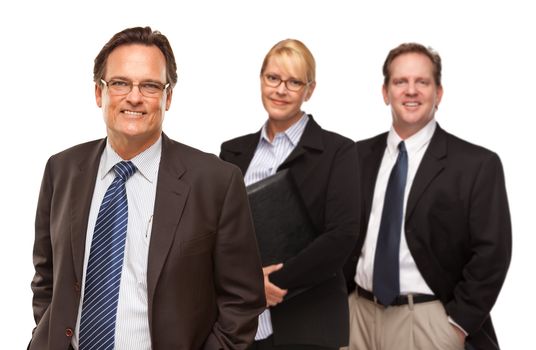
274 294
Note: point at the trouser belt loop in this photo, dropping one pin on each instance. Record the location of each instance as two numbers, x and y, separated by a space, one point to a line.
410 301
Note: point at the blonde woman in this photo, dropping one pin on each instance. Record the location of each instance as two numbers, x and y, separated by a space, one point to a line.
323 164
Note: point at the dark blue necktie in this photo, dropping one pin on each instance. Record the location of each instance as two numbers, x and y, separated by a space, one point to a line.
386 276
103 274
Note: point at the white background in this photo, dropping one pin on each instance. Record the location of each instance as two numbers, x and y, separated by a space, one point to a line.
47 98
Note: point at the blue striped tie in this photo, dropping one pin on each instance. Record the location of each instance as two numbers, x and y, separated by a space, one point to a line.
386 275
101 291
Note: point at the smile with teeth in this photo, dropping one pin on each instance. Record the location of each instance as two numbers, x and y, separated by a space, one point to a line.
133 113
411 104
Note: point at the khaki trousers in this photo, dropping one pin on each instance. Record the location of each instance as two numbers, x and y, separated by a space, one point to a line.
422 326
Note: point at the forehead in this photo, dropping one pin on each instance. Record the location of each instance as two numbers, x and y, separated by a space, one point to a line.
136 61
411 64
286 65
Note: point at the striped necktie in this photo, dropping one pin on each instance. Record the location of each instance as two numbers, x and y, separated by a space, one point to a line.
103 274
386 275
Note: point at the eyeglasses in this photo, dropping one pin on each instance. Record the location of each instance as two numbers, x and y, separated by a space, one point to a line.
123 87
291 84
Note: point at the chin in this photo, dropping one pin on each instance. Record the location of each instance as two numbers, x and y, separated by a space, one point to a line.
285 115
279 117
414 119
133 131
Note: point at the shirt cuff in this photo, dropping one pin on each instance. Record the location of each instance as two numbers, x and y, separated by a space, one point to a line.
457 326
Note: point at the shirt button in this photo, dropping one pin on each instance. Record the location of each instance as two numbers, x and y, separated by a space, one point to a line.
69 332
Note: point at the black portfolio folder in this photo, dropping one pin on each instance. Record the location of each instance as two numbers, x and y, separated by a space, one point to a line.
281 221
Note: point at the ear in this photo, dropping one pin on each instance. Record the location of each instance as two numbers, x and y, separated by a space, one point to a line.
439 95
385 95
310 90
169 96
98 94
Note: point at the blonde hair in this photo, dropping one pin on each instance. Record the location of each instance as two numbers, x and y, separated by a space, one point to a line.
295 51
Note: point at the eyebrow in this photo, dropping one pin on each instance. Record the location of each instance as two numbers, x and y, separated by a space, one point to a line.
279 76
408 78
141 81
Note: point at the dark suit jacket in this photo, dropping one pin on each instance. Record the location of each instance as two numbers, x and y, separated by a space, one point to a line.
324 167
204 279
457 227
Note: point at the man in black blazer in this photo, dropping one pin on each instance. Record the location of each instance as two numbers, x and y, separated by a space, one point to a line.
191 275
455 234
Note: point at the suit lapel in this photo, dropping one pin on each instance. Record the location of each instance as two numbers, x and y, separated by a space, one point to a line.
371 160
244 150
171 195
311 141
81 197
433 162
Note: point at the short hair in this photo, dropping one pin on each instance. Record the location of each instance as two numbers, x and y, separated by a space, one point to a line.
295 50
412 48
137 35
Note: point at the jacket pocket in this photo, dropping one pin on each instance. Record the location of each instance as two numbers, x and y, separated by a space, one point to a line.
198 245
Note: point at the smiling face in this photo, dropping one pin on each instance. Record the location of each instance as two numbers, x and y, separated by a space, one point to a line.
284 106
412 93
133 121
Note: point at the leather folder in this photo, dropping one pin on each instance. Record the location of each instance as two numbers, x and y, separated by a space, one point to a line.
280 218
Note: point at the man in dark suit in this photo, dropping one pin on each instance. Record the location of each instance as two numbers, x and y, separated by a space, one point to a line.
452 234
187 271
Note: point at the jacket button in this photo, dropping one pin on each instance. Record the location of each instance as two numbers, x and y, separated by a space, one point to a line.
69 332
77 287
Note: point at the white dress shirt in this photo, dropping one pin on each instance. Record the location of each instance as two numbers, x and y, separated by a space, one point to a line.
132 321
267 158
411 280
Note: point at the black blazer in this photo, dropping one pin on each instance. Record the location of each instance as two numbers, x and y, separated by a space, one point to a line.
324 166
457 227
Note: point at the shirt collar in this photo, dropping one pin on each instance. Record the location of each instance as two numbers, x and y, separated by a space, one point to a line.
146 162
293 133
413 143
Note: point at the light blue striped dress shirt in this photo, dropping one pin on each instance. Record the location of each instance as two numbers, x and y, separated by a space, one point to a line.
132 322
267 158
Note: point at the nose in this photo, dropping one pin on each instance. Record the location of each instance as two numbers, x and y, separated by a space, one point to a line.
135 96
411 88
282 88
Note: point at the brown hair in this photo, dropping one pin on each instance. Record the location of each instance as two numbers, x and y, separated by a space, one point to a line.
412 48
297 51
137 35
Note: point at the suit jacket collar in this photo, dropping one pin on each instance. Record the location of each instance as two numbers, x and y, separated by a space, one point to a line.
81 197
244 147
171 195
310 140
371 159
432 163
